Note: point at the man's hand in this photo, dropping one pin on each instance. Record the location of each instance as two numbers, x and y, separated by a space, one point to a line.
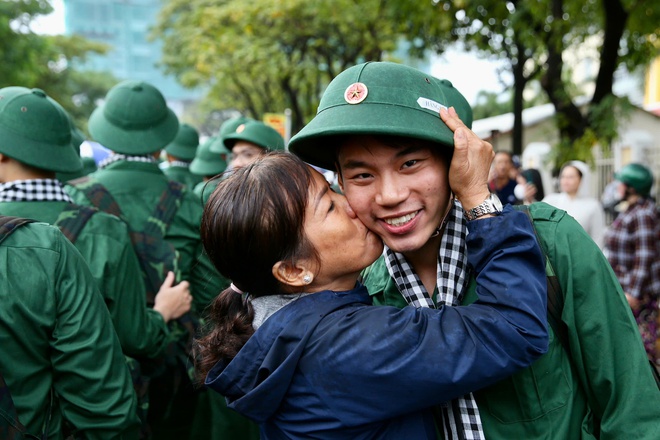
470 165
173 301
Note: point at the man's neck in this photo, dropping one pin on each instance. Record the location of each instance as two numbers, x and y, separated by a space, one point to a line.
424 262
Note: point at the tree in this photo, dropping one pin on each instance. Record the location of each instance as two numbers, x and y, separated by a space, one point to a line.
268 55
533 36
21 50
46 62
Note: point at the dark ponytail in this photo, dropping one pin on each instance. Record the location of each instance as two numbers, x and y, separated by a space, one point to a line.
228 328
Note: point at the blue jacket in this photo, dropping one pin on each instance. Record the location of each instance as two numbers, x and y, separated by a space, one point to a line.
330 366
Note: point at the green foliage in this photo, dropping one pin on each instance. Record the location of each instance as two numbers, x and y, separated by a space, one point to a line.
21 50
31 60
268 55
529 33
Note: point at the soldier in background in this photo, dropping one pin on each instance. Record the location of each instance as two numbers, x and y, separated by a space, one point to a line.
35 143
135 124
61 364
180 152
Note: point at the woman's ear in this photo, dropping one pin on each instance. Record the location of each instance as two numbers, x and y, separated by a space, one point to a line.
294 275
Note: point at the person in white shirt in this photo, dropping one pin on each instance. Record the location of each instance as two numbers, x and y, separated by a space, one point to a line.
574 198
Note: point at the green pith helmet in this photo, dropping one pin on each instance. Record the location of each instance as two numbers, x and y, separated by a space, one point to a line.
185 143
228 127
379 98
256 132
36 130
636 176
207 163
134 119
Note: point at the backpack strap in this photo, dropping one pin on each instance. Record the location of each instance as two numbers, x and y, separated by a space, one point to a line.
555 294
9 224
73 219
168 205
98 195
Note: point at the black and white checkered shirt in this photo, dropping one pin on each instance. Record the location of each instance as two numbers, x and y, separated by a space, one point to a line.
33 190
129 158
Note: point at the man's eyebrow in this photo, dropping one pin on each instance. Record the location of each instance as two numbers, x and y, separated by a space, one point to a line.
352 164
409 150
319 196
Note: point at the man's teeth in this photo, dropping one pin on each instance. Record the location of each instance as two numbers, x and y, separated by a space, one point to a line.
398 221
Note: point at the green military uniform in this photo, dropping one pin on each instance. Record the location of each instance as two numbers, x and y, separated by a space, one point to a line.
57 340
106 247
183 149
181 173
35 132
207 165
135 123
137 187
579 393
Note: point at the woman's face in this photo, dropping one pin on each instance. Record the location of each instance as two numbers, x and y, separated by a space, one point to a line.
569 181
344 245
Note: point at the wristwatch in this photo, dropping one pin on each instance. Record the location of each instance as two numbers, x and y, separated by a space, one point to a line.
491 205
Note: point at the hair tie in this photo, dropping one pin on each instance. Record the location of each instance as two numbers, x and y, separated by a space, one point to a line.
236 289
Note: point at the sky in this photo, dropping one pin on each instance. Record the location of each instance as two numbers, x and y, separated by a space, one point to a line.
466 71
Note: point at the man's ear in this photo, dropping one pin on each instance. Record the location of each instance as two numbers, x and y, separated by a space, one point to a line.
294 275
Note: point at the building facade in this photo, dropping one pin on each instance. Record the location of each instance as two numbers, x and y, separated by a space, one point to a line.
125 25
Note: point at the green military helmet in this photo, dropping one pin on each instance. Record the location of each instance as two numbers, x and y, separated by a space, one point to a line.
134 119
380 98
185 143
257 133
36 130
228 127
207 163
636 176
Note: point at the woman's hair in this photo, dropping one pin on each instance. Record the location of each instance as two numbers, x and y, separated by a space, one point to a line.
252 220
532 175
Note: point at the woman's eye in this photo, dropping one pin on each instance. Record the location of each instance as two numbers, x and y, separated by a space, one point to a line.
332 207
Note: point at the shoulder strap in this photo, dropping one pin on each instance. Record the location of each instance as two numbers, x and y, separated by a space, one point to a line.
73 219
555 294
98 195
168 205
9 224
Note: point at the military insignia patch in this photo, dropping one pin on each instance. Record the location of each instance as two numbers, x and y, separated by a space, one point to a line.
356 93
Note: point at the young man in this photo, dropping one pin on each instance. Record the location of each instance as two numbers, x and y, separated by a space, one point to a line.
61 360
377 125
249 140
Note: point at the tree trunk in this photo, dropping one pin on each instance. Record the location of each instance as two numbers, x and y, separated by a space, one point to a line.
571 122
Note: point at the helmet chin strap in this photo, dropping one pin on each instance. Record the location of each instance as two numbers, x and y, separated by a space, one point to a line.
439 229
